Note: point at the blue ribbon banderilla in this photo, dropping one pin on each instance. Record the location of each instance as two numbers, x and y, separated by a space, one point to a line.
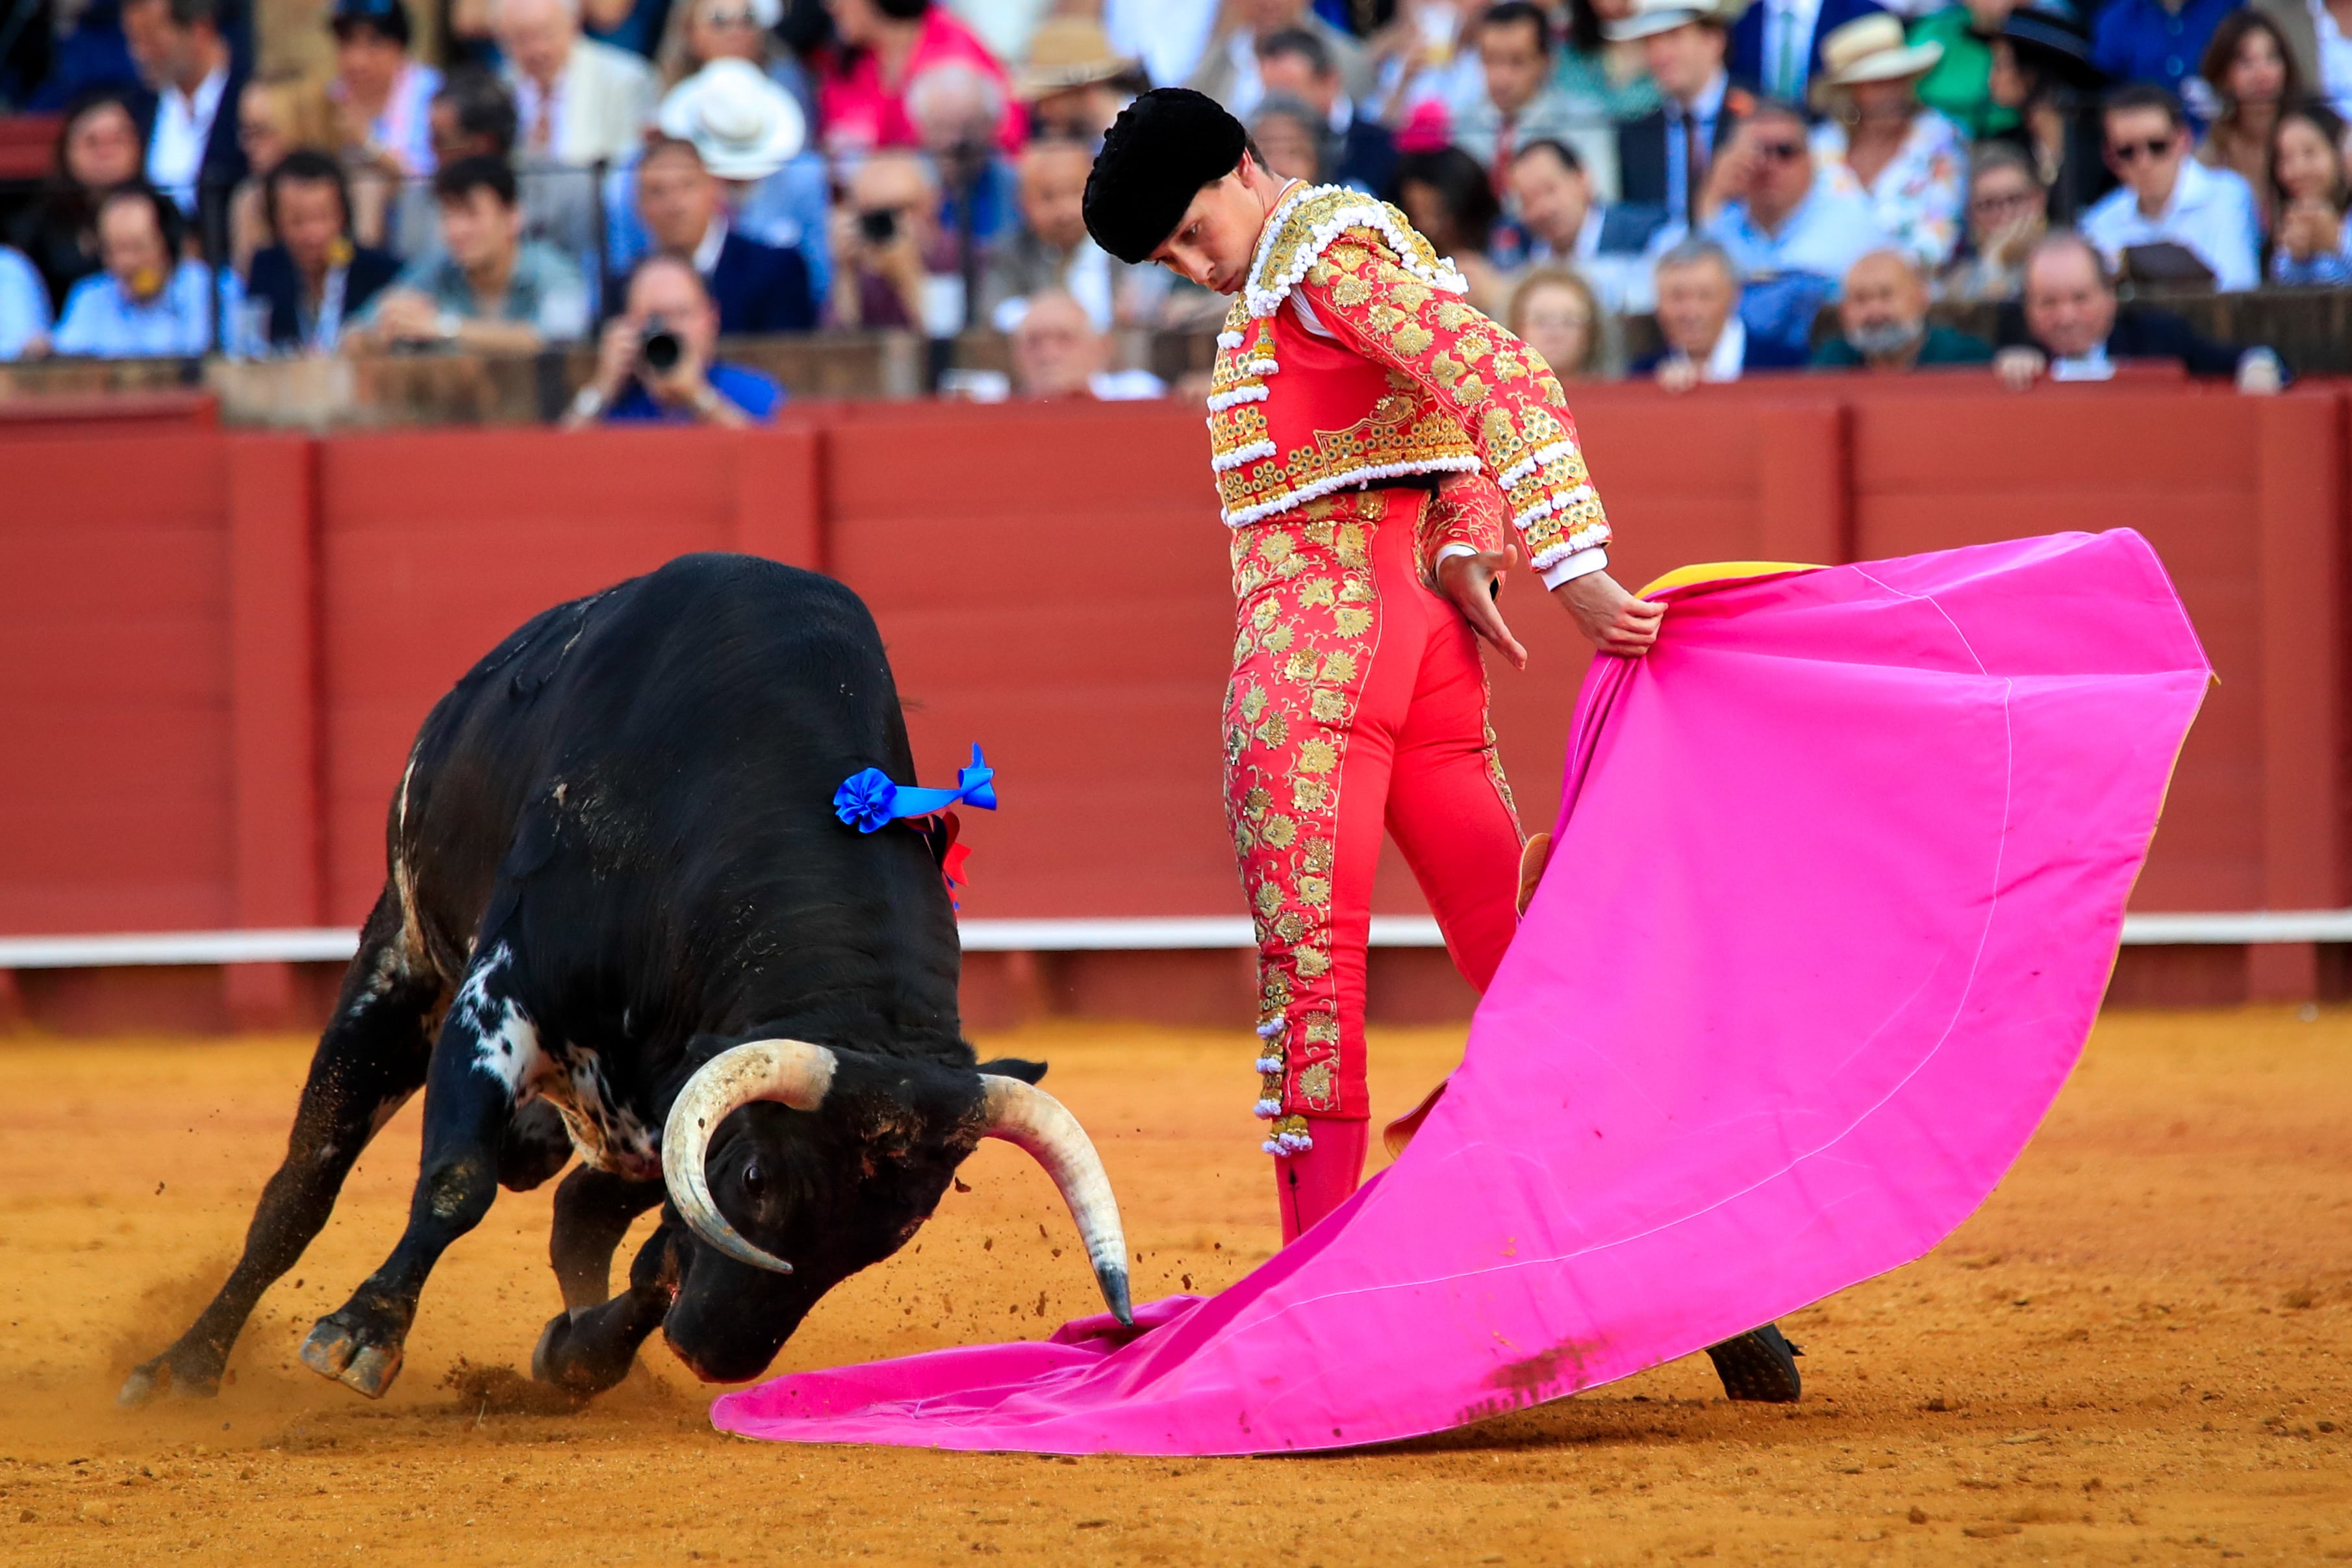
868 800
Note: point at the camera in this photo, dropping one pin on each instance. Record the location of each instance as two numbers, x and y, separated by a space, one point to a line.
879 224
660 346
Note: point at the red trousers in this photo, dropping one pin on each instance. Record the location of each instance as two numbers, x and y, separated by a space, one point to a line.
1357 701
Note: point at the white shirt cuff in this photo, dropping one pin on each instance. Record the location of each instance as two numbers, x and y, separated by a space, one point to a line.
1448 552
1583 564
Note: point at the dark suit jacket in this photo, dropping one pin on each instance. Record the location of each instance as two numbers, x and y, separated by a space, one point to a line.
273 277
1627 228
224 162
761 288
1763 353
1745 59
1367 157
1642 149
2139 332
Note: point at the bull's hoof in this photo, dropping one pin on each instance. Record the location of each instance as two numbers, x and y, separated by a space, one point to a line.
345 1349
567 1359
163 1375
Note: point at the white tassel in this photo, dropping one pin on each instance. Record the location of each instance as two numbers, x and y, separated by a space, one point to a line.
1269 1064
1262 299
1465 463
1511 476
1240 454
1267 1109
1220 401
1582 538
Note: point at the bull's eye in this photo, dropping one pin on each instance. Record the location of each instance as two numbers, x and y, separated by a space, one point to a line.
755 1182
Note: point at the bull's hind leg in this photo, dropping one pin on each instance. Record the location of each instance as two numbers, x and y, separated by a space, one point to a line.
488 1053
371 1058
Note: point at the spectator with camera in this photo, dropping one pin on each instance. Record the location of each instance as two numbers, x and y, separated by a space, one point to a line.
658 361
148 301
485 288
956 107
755 288
316 276
1884 325
2070 327
882 236
2167 197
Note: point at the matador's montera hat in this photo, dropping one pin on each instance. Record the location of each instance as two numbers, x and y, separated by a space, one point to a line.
1161 151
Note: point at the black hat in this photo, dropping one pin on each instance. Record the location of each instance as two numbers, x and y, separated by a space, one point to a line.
1161 151
2055 25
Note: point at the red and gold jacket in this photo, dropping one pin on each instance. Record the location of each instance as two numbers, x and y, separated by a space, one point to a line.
1379 368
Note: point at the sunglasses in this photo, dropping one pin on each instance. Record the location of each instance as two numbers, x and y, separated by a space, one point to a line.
1780 151
1999 201
2133 152
729 19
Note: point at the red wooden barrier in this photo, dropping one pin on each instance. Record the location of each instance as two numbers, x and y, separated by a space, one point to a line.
217 647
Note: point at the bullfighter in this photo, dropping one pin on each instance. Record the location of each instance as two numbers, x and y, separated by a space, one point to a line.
1380 451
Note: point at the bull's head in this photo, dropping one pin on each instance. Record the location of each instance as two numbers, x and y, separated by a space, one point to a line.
835 1160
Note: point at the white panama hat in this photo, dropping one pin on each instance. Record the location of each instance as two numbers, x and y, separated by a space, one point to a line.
1870 48
745 126
1650 17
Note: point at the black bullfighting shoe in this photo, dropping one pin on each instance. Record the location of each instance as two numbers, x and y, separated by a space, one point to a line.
1758 1365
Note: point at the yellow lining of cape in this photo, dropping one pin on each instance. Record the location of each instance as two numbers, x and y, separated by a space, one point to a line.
1721 571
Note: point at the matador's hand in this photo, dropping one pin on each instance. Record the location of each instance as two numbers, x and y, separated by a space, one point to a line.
1469 581
1613 619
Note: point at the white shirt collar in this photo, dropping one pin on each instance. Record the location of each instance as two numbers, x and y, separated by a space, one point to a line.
1588 234
205 101
714 240
1729 354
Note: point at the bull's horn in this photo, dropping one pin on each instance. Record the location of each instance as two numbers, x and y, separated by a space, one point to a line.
1024 1115
790 1073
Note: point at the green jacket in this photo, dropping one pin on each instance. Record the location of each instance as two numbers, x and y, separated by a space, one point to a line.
1943 346
1959 84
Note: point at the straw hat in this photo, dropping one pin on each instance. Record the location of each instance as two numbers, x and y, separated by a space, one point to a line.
1870 48
1066 52
745 126
1649 17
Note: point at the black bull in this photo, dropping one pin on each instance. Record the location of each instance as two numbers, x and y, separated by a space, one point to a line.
620 918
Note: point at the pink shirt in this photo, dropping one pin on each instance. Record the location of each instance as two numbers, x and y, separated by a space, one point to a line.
859 111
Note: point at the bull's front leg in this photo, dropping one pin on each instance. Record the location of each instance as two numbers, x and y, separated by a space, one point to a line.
487 1055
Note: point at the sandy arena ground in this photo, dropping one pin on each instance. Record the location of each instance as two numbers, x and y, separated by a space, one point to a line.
2136 1353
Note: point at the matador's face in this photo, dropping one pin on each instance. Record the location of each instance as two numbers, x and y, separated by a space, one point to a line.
1218 233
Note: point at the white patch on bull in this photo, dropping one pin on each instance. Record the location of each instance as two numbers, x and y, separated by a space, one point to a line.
506 1042
608 1135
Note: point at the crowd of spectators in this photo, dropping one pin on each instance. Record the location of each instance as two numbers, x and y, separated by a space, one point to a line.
1781 184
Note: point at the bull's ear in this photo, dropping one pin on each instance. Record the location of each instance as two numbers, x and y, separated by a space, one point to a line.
1012 1067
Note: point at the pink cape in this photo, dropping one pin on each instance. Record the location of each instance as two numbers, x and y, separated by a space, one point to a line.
1837 885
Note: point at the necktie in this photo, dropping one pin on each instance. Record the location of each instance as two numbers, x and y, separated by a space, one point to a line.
1500 175
1693 168
1785 67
